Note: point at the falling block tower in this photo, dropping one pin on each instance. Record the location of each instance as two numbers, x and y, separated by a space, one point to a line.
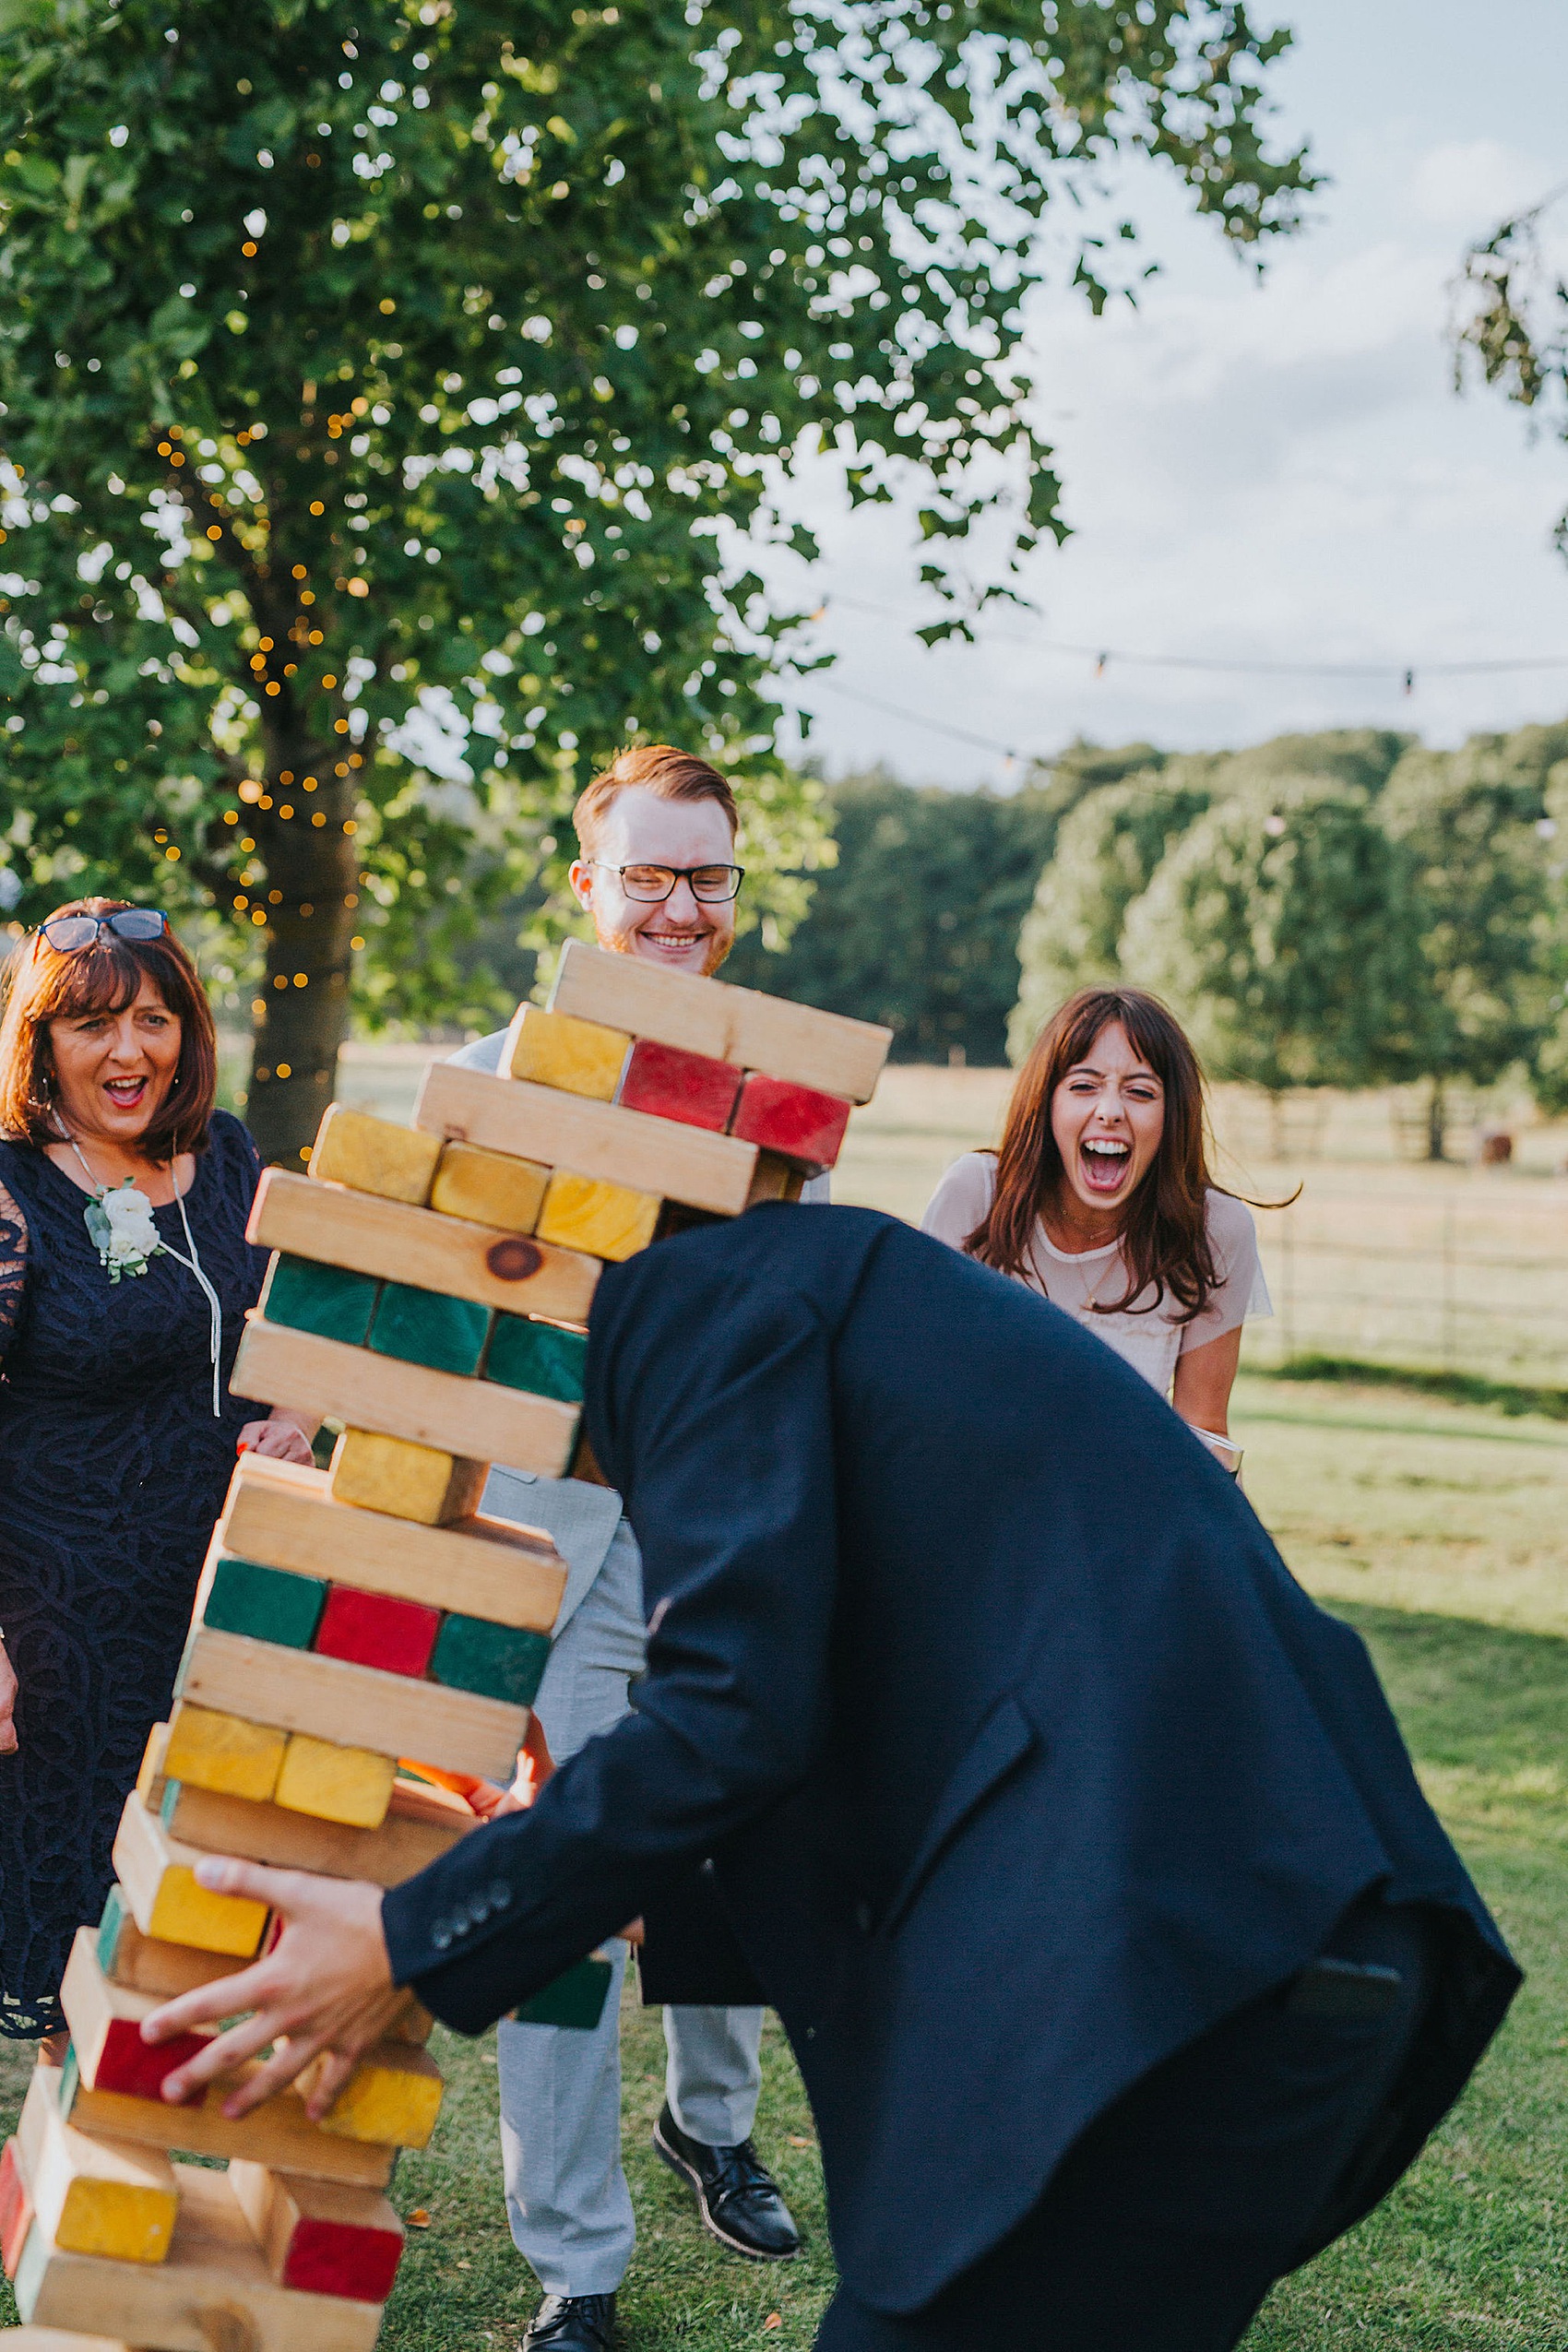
365 1644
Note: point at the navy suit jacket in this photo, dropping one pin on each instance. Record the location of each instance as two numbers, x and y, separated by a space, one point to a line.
1021 1756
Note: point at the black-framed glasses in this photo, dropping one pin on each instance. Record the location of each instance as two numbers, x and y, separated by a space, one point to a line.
65 933
650 884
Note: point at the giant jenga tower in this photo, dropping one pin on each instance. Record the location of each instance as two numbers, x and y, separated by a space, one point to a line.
429 1291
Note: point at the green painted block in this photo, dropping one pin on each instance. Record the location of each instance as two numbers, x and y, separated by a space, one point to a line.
270 1604
497 1661
167 1804
110 1927
71 2076
575 1999
326 1299
422 1327
539 1357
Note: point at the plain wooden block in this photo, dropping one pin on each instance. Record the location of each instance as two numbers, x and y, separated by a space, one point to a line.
15 2208
794 1121
331 1300
301 1691
384 1853
575 1998
213 2293
145 1963
151 1768
776 1180
391 2100
56 2339
94 2196
729 1024
586 1213
397 1636
493 1263
271 1604
333 1783
222 1752
488 1187
474 1418
483 1567
496 1659
155 1874
554 1050
591 1139
424 1327
405 1481
671 1083
537 1356
278 2133
105 2022
374 1155
319 2237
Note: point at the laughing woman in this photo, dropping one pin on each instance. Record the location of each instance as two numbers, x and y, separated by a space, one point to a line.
125 1276
1101 1199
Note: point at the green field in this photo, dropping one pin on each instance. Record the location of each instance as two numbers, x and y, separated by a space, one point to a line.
1434 1529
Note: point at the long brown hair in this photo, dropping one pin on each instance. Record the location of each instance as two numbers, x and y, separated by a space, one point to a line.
46 984
1164 1241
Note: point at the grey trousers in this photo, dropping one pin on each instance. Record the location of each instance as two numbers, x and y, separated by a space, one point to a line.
566 2195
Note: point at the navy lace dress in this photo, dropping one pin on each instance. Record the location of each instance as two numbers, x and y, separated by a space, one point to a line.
113 1469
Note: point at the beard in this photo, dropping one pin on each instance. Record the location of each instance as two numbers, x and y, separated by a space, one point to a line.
716 946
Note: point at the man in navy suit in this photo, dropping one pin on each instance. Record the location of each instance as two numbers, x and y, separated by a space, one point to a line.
1078 1850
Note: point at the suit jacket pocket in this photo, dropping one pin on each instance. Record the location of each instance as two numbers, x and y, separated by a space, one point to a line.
999 1745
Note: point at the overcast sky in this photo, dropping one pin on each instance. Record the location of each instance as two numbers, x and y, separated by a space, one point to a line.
1265 472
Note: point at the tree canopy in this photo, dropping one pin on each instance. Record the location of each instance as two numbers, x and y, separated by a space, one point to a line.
391 391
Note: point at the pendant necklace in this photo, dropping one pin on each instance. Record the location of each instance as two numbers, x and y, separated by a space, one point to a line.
97 1226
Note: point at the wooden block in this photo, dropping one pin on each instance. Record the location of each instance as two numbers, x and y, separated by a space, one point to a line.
331 1300
15 2208
156 1876
776 1180
671 1083
537 1355
151 1769
492 1264
591 1139
424 1327
56 2339
372 1155
793 1041
148 1964
332 1783
319 2237
477 1419
397 1636
483 1567
212 2294
278 2133
496 1659
94 2196
418 1482
222 1752
794 1121
270 1604
574 1998
391 2100
384 1854
488 1187
105 2022
586 1213
301 1691
553 1049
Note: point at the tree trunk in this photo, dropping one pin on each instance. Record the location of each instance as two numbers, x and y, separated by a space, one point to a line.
1437 1122
301 1013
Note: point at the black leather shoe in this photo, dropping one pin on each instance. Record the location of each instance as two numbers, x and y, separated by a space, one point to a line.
737 2196
572 2324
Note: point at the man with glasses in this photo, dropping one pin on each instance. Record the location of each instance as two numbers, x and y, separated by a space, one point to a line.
655 835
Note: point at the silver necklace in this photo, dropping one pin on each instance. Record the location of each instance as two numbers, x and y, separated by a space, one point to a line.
192 1264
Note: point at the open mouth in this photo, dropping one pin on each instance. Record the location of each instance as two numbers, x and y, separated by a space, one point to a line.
675 944
126 1094
1104 1163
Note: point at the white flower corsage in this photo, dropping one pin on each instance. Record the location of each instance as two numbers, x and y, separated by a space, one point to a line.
120 1225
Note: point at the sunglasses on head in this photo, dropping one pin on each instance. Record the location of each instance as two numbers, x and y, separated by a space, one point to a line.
66 933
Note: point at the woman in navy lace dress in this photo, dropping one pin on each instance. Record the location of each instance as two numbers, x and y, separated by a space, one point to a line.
125 1276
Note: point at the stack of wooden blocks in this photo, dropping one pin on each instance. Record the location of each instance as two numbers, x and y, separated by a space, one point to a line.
429 1293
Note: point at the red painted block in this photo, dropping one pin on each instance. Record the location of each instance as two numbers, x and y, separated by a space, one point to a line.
127 2063
15 2210
371 1629
674 1084
340 2258
794 1121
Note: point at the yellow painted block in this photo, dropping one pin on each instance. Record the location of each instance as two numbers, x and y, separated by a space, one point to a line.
489 1188
607 1221
556 1049
224 1754
351 1784
183 1912
409 1481
392 2098
375 1155
132 2225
